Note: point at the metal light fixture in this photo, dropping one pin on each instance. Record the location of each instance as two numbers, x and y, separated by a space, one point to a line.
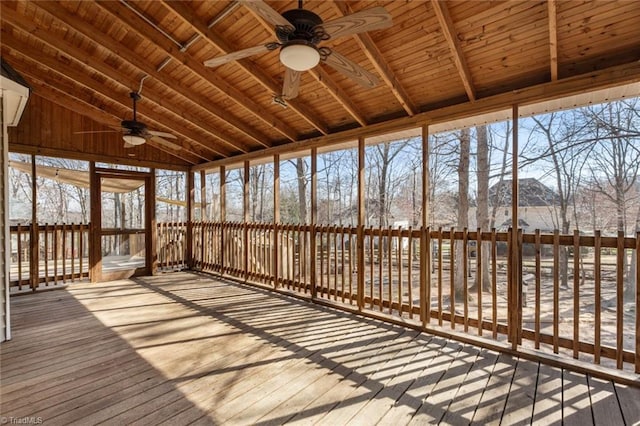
299 57
134 139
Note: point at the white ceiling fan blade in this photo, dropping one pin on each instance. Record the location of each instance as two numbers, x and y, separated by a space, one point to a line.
351 70
234 56
291 84
128 145
375 18
267 12
162 134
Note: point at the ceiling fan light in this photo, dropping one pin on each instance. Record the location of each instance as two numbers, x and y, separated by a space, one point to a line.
299 57
134 139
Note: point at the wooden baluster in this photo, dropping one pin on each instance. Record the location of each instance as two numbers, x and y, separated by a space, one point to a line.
410 273
556 289
494 283
620 255
576 293
598 296
537 302
390 268
465 278
399 266
452 291
380 269
440 277
479 276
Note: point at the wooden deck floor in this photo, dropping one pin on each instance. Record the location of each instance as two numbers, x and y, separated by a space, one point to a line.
184 348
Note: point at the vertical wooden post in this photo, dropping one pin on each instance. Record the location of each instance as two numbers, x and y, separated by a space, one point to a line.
637 363
34 251
95 255
245 231
223 214
203 214
361 213
425 241
276 222
190 202
514 288
152 244
314 219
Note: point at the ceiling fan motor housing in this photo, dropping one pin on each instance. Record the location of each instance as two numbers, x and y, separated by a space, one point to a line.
307 28
134 127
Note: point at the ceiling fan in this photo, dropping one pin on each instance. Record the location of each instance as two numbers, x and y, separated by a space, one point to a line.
299 32
135 132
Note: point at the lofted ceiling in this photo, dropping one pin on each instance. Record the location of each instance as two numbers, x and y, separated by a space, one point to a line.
83 58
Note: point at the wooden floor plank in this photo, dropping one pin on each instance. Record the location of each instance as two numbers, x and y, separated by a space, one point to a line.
185 348
629 400
547 409
462 408
494 397
576 406
413 397
604 403
437 401
519 407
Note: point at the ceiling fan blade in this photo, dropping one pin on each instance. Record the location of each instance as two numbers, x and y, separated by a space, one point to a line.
291 83
375 18
128 145
351 70
267 12
220 60
162 134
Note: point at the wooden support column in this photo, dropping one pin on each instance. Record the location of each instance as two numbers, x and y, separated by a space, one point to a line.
152 244
34 249
203 214
245 232
361 212
425 243
223 214
95 256
314 220
190 202
276 220
514 288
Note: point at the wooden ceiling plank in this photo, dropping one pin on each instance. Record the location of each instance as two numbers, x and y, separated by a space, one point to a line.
448 30
43 87
102 68
134 23
553 37
595 80
326 81
338 94
216 40
65 100
372 52
110 45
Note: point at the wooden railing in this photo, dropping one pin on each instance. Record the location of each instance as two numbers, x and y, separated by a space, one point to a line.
430 278
62 255
171 246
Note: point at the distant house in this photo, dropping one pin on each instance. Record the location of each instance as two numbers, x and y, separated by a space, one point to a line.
536 205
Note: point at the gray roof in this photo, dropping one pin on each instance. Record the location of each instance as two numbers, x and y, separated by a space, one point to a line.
531 193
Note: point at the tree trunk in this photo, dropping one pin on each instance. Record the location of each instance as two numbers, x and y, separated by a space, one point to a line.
302 190
463 208
482 212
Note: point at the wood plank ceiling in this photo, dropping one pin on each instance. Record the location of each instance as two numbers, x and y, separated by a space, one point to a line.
84 57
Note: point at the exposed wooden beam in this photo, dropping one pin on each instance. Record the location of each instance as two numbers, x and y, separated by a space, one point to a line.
370 49
115 48
210 35
553 37
601 79
338 94
324 79
133 22
448 30
43 86
83 79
